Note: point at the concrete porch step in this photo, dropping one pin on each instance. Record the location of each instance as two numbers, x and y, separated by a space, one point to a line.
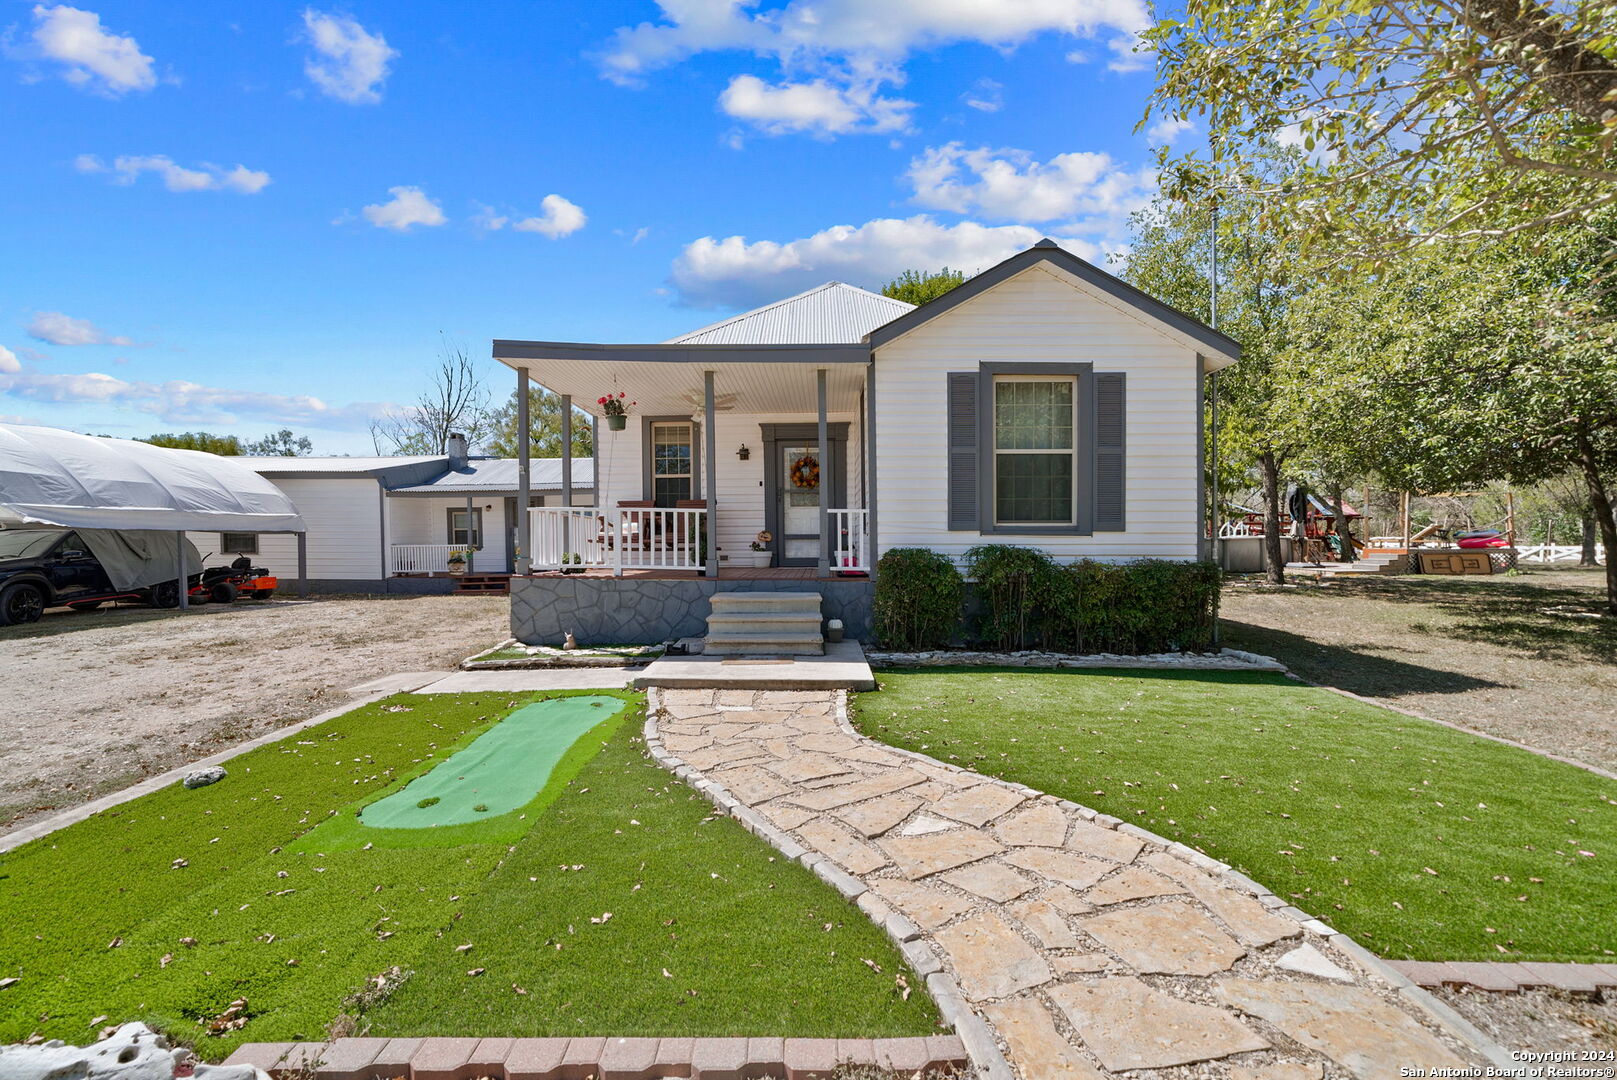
764 622
771 643
765 600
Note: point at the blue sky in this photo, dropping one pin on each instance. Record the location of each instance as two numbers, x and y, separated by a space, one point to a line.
243 216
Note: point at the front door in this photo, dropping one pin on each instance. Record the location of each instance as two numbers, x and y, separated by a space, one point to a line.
795 482
799 512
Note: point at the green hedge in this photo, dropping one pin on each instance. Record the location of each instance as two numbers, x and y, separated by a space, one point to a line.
1027 600
918 599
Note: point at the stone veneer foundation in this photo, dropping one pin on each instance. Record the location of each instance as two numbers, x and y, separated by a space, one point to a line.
628 611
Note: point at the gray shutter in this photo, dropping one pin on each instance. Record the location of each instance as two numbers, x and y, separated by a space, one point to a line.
1109 456
963 450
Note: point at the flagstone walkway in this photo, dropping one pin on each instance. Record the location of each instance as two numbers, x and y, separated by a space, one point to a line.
1064 941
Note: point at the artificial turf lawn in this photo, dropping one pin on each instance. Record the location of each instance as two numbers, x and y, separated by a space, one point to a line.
1422 842
290 910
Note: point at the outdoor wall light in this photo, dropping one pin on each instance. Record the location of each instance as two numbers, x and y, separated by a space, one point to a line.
743 453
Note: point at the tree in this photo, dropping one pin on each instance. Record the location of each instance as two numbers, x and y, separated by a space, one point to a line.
918 286
1502 365
1170 258
544 427
1422 119
208 443
280 444
454 402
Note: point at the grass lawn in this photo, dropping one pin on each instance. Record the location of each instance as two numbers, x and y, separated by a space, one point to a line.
171 907
1422 842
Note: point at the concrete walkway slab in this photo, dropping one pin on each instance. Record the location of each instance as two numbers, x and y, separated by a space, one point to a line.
843 667
479 682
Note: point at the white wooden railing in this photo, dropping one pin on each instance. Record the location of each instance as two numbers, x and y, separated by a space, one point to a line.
616 538
419 558
1557 553
850 539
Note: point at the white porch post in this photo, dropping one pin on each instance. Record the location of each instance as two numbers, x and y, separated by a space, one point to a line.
710 440
870 471
566 471
826 486
524 562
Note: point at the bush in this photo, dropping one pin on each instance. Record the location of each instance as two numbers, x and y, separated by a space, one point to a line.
1148 606
1015 586
918 596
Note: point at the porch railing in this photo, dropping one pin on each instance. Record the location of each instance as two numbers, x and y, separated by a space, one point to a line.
850 540
419 558
617 538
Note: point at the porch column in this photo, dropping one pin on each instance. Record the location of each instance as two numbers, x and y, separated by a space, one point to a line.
710 484
524 562
566 471
870 470
826 486
567 449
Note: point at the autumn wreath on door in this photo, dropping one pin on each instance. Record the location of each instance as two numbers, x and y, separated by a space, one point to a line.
806 472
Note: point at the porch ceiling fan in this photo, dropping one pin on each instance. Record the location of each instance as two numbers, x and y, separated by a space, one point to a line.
698 404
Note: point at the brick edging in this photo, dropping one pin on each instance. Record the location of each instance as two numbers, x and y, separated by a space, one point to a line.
1437 1011
1509 977
971 1030
597 1058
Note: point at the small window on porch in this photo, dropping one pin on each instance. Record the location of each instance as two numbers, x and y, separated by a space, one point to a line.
459 534
671 459
239 543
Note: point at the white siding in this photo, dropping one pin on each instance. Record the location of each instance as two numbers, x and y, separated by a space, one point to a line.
416 519
740 483
345 531
1040 315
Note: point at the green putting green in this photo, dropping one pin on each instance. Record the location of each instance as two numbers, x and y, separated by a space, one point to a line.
504 768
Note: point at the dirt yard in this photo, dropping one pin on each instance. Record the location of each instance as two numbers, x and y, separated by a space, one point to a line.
94 702
1512 655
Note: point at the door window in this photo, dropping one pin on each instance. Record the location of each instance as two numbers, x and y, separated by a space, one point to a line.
800 501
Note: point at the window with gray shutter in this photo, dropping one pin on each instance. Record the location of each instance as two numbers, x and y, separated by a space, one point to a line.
963 465
1109 453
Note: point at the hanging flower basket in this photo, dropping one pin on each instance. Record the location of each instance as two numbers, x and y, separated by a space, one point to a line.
615 409
806 472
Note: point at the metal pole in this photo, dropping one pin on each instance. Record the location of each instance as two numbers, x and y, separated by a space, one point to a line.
303 565
1212 305
710 440
825 477
567 472
1216 518
524 561
179 554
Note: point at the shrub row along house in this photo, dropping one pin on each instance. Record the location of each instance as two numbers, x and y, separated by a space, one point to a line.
1042 403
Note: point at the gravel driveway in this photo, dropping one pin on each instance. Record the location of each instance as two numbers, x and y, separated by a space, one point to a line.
90 703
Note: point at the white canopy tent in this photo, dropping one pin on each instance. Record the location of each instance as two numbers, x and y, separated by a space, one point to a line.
53 477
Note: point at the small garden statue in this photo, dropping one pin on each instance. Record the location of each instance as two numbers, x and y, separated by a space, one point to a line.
571 643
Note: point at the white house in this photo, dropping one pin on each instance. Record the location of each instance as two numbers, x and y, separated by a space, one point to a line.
1042 402
388 524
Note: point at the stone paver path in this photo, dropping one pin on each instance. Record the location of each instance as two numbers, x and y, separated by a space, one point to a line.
1060 940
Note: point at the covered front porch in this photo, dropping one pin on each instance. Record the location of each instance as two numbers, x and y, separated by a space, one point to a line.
730 461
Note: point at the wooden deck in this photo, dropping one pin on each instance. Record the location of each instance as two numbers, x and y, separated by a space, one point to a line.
737 573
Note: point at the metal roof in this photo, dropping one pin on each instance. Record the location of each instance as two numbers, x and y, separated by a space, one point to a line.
833 313
500 474
270 466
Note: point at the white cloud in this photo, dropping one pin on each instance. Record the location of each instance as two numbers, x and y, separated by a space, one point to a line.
9 364
349 63
733 272
487 219
90 56
180 401
409 206
128 168
837 54
816 107
985 95
59 329
557 217
1165 129
1130 54
1009 185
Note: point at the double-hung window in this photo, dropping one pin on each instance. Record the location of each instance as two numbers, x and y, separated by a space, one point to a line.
1035 450
672 456
464 533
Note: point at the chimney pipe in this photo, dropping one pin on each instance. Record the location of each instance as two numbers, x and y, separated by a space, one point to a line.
455 447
